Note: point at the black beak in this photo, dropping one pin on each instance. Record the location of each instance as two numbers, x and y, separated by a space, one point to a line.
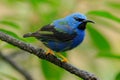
88 21
82 26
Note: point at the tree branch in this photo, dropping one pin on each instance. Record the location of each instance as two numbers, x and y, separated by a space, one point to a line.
51 58
15 66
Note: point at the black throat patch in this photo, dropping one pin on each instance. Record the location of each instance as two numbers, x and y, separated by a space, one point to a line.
82 26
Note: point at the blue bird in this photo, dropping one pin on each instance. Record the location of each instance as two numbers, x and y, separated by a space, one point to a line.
63 34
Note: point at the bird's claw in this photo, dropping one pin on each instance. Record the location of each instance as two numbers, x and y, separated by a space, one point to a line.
49 52
65 60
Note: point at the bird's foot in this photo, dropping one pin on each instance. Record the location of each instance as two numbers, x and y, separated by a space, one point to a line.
64 59
49 52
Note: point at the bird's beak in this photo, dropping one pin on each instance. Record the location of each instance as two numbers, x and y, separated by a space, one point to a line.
88 21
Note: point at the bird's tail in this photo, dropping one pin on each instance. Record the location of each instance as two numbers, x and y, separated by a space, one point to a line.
34 34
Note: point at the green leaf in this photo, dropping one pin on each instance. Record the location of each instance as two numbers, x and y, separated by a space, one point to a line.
64 54
114 5
30 39
35 4
9 46
10 33
8 76
108 54
98 39
50 71
104 14
11 24
117 76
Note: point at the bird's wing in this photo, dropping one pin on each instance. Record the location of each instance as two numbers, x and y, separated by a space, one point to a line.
56 33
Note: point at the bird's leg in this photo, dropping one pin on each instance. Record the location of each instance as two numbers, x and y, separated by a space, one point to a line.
49 52
59 54
64 59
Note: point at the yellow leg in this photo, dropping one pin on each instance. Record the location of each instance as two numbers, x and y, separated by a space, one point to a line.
63 58
49 52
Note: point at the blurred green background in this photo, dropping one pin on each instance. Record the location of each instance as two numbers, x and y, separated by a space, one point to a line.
99 53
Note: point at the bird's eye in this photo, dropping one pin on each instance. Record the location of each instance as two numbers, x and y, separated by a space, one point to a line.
78 19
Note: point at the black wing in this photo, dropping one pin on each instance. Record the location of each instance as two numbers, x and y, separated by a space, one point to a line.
60 36
48 32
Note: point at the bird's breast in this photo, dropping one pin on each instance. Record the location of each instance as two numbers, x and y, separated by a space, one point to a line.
78 39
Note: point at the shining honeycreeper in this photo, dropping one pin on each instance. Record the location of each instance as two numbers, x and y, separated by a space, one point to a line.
63 34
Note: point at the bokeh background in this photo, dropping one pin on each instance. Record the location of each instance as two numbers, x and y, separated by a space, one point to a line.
99 53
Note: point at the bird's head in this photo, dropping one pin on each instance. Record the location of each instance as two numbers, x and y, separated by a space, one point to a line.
78 20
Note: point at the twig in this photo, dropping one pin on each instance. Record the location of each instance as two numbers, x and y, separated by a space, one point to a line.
15 66
51 58
14 54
